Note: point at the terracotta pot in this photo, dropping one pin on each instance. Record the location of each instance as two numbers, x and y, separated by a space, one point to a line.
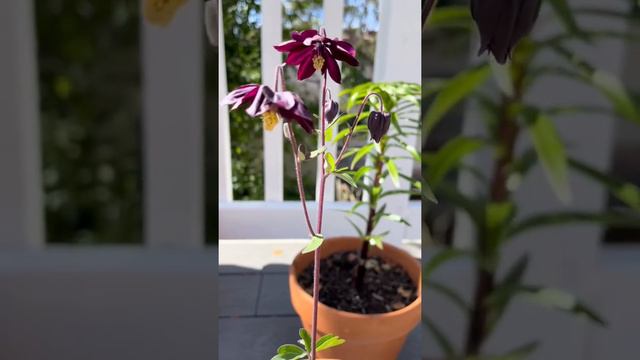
371 337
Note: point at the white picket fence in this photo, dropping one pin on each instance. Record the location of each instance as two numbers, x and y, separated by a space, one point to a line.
275 218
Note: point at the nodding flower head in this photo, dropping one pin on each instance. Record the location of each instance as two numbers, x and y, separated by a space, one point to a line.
313 51
270 105
378 124
502 23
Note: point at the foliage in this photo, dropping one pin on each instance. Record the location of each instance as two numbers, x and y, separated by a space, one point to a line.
295 352
509 117
372 163
90 113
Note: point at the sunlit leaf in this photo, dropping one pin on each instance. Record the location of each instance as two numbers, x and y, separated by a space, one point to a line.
316 242
454 91
446 159
552 154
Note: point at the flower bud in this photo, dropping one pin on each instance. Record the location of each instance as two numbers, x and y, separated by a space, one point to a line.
378 124
331 109
502 23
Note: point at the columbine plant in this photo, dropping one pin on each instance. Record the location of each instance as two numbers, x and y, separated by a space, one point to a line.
403 98
310 51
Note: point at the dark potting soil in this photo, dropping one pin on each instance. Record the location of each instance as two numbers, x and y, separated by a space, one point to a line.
387 287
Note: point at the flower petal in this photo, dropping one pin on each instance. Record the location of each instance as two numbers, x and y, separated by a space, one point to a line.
262 101
296 57
303 35
306 69
241 95
342 55
345 46
300 114
331 109
284 99
332 66
288 46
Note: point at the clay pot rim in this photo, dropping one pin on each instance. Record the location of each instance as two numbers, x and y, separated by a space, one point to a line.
322 307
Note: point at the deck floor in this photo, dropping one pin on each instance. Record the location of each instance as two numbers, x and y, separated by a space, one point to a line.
255 312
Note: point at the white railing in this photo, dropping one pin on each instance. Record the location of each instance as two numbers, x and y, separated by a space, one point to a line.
275 218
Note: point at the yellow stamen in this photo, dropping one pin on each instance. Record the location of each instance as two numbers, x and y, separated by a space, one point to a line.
270 120
318 62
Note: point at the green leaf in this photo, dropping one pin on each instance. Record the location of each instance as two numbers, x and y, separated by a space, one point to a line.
626 192
506 290
393 172
565 14
328 341
347 178
441 258
612 219
561 300
331 162
315 243
396 218
361 153
356 227
317 152
290 352
428 194
457 16
443 342
497 218
411 150
446 159
552 154
328 134
454 91
377 241
290 349
361 172
615 91
520 353
306 339
451 294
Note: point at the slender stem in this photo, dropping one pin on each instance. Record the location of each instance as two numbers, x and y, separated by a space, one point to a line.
301 193
373 206
507 134
427 7
280 85
316 253
355 123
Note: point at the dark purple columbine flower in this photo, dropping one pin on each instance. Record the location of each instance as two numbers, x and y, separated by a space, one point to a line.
269 104
502 23
378 124
311 51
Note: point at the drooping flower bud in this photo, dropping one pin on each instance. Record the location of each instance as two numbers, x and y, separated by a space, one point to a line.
502 23
378 124
331 109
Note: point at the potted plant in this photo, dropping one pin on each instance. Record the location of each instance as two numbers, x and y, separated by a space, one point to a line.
312 51
370 293
509 118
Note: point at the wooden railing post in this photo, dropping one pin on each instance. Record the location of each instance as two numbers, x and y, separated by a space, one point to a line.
173 130
21 209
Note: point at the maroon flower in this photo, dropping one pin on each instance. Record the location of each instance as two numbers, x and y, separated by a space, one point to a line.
269 104
311 51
